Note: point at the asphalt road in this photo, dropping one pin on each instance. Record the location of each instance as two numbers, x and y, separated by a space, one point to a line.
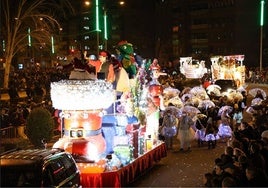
181 169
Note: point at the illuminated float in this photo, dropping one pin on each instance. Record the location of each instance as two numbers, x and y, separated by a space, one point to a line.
228 67
82 103
106 141
192 68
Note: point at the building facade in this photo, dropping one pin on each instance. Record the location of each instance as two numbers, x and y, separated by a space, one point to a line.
203 28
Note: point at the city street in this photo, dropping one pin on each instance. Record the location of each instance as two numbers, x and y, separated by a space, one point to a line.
186 169
181 169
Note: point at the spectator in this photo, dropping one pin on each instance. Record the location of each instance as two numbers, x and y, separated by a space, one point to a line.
255 158
207 179
229 182
255 177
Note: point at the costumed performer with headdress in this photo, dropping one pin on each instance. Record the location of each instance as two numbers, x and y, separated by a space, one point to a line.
126 57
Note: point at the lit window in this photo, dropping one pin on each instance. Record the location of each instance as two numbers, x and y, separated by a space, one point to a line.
86 27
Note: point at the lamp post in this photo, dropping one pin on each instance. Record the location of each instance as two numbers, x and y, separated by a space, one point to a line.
29 37
52 45
105 30
97 25
261 30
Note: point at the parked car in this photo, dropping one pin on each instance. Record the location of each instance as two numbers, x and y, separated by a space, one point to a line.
39 168
226 84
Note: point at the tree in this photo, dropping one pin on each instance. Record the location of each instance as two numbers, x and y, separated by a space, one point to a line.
39 126
23 18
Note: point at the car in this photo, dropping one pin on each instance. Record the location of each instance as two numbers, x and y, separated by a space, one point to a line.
226 84
39 168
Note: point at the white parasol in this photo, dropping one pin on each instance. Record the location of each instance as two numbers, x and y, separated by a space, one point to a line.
224 108
186 90
176 101
190 109
235 95
171 91
206 104
254 91
195 101
197 90
174 110
187 95
213 86
216 89
217 92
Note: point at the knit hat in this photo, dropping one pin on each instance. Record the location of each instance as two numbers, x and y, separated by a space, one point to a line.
105 54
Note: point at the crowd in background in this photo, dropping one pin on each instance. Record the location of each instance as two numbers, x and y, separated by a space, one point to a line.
36 83
244 163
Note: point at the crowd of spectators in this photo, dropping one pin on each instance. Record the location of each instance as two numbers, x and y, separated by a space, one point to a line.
254 75
36 85
244 162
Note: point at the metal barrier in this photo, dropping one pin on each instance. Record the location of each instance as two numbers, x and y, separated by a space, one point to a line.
9 132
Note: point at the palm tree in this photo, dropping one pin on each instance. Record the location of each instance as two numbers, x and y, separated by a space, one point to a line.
20 19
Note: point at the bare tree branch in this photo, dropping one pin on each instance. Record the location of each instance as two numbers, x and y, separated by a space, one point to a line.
41 16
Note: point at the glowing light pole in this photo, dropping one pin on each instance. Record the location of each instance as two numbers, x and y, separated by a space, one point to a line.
105 30
52 45
261 30
97 25
29 37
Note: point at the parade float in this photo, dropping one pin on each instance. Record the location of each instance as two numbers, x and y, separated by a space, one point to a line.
104 142
81 103
229 68
192 68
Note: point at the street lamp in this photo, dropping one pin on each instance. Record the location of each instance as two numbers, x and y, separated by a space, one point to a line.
105 30
97 25
29 37
261 30
52 45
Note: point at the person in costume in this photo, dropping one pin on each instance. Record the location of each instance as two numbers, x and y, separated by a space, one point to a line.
104 68
121 83
169 127
80 70
152 120
126 57
185 124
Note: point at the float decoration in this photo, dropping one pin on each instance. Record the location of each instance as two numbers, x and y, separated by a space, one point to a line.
228 67
126 58
82 102
192 68
82 94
